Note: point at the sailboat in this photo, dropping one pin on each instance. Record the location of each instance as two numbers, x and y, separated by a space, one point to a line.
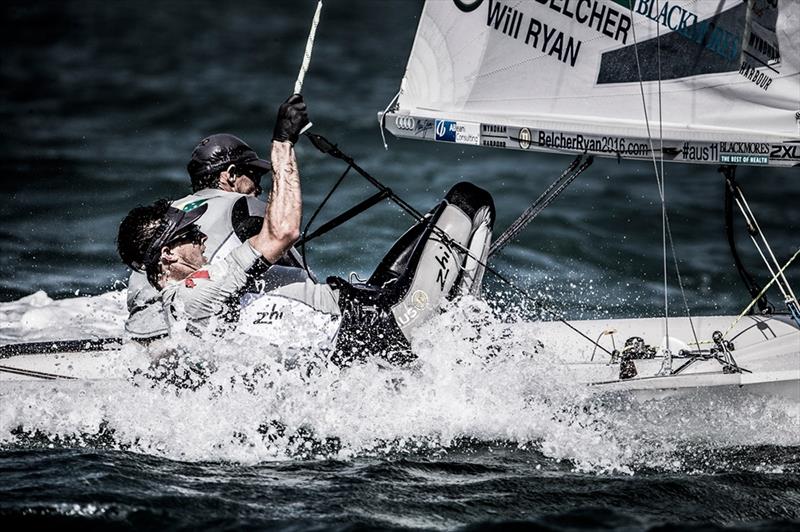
713 83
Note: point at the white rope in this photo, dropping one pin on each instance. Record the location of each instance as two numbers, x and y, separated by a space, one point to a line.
382 119
298 85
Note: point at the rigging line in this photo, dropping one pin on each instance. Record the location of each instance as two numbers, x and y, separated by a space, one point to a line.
556 314
760 294
536 207
541 203
766 244
314 216
665 216
758 248
666 228
664 220
345 216
33 373
662 184
666 231
301 75
655 165
729 172
753 230
680 283
382 119
788 298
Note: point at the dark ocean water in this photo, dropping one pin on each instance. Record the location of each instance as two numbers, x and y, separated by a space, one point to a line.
101 104
483 489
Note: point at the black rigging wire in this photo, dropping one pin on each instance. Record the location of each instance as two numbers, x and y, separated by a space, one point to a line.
541 203
304 237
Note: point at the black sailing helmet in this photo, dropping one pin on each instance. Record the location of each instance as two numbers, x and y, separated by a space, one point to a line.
216 153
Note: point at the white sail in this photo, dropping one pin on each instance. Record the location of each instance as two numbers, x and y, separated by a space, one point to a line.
720 79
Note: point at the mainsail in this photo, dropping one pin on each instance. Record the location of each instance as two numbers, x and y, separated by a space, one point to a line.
713 82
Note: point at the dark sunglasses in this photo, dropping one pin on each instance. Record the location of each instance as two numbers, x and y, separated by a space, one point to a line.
174 225
250 173
191 234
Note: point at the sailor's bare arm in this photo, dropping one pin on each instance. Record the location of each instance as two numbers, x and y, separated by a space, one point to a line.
281 227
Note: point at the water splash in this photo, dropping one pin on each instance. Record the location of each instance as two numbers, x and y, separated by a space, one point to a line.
483 375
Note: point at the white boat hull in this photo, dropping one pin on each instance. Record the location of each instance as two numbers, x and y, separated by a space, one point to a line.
766 348
73 365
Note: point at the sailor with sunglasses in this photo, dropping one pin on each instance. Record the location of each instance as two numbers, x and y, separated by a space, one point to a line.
439 257
226 178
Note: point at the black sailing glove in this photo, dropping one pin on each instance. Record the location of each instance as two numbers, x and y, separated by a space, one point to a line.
292 118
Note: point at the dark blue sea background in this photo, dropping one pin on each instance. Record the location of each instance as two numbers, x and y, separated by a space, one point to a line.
101 104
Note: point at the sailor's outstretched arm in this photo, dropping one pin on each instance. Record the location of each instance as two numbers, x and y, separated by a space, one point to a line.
281 227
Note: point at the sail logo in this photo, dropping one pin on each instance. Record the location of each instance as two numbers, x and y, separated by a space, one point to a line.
524 138
458 132
445 130
738 158
712 43
708 33
405 122
744 147
547 35
785 152
751 72
467 6
699 152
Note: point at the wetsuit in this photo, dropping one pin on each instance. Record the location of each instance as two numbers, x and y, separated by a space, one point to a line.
439 257
229 220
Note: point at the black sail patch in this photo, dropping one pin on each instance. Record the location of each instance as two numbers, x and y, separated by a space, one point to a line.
692 47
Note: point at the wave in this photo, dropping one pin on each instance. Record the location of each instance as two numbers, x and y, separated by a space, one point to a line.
484 376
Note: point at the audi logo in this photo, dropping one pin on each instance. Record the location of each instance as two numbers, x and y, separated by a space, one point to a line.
405 122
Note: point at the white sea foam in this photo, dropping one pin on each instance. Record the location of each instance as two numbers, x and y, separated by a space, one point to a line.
482 375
